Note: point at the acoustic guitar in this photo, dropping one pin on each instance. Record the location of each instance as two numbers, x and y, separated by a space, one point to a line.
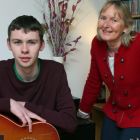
10 130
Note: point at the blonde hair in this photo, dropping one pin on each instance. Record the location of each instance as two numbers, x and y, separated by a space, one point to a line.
126 16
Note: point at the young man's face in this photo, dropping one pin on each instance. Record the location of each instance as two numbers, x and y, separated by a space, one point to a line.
25 47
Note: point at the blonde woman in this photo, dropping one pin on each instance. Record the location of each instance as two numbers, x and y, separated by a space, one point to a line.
115 55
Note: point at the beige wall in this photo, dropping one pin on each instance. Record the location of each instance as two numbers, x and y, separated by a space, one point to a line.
78 63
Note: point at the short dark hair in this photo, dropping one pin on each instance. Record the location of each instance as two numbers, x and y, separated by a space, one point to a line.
27 23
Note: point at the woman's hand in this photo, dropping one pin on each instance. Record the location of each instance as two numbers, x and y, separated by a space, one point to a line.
25 115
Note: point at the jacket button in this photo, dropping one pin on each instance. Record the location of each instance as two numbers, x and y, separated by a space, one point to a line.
114 111
125 93
104 59
122 60
113 103
129 105
122 77
130 117
106 76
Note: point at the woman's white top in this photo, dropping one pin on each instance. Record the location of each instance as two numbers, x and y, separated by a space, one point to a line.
111 64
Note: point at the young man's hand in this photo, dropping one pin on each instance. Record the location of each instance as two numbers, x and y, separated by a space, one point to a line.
25 115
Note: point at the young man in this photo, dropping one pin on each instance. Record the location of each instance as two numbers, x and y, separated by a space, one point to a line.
32 88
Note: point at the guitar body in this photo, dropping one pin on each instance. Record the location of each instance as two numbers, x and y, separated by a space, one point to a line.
10 130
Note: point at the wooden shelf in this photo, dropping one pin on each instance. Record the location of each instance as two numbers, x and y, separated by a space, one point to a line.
136 16
98 106
97 117
133 6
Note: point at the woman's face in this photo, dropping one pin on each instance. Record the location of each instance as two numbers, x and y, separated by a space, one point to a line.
111 25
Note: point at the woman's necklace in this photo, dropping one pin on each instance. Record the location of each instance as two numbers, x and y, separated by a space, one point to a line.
112 51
